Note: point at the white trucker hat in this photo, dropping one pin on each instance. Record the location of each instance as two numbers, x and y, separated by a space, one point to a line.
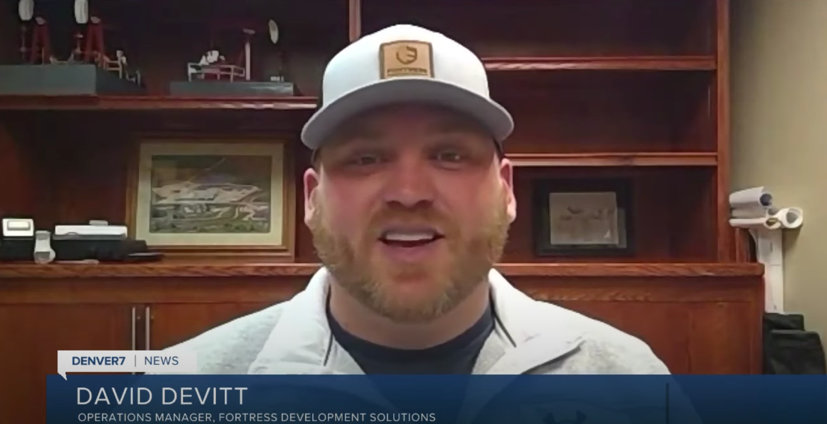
400 64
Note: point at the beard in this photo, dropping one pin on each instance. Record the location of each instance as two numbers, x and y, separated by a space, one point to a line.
378 283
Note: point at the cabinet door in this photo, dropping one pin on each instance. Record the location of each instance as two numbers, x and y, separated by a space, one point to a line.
31 335
173 323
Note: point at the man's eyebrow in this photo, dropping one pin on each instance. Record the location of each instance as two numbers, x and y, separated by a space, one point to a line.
454 126
350 133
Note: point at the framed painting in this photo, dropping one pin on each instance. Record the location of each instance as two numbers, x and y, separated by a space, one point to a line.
212 196
583 218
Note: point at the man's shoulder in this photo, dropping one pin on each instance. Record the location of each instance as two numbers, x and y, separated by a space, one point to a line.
232 347
602 348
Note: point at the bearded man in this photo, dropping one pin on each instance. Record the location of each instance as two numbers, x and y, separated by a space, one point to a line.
409 200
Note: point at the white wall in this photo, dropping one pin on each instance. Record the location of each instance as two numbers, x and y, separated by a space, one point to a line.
779 131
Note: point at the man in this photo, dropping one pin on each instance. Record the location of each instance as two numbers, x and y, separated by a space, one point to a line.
409 201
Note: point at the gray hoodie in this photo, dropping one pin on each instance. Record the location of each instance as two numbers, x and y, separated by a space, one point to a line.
532 337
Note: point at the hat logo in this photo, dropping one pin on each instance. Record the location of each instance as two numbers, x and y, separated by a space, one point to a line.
406 55
406 59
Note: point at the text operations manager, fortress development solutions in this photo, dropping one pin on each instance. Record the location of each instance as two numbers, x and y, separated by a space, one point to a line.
260 417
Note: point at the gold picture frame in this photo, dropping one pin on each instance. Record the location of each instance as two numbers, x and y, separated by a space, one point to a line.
213 196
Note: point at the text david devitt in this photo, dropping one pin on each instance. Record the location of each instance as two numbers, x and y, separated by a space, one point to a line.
167 396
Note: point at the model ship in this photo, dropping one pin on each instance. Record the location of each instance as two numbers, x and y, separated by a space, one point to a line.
215 75
88 69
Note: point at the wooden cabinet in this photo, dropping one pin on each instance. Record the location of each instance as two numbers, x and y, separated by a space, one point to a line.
38 317
32 334
697 319
633 90
172 323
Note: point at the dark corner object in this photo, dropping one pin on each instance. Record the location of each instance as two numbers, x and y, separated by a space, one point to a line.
789 348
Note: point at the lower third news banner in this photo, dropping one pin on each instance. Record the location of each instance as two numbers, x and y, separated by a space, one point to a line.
592 399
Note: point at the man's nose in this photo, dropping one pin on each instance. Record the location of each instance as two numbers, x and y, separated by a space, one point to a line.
409 183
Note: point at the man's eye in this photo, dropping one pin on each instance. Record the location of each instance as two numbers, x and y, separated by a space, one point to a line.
449 157
365 159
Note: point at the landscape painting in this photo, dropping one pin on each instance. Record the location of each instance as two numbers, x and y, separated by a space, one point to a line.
211 196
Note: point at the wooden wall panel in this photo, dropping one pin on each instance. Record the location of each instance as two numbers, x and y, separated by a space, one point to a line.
22 178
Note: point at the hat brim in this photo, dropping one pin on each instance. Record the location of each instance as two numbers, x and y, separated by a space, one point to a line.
487 112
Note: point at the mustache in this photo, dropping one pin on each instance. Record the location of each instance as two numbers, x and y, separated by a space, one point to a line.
417 215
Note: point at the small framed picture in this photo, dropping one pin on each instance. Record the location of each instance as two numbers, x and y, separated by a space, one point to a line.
207 196
583 217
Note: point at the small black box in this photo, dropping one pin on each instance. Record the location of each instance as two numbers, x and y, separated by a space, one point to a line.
14 249
103 248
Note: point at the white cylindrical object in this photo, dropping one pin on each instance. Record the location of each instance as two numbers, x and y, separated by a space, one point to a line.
753 212
25 10
751 198
790 217
81 12
752 223
43 252
247 59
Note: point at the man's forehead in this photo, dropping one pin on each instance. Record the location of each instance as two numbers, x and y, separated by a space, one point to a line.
410 118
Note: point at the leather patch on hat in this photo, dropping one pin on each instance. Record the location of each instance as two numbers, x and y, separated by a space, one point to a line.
406 59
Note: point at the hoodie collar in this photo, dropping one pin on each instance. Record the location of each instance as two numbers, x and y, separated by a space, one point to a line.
301 341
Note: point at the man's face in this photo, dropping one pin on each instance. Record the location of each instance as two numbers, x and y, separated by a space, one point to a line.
409 209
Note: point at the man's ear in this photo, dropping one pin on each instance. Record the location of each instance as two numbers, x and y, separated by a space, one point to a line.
311 184
507 180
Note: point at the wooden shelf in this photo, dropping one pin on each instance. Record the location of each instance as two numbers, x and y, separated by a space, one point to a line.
633 63
91 102
195 269
156 102
614 159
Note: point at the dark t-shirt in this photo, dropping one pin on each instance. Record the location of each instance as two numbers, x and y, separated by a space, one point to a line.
456 356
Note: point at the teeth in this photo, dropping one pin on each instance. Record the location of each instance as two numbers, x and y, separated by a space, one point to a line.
393 236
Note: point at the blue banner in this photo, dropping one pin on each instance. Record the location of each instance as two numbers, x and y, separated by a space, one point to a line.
438 399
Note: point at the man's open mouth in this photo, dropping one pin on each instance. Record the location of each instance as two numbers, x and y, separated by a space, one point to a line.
410 237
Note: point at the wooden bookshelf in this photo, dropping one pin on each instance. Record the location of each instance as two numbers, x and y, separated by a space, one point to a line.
633 90
492 64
